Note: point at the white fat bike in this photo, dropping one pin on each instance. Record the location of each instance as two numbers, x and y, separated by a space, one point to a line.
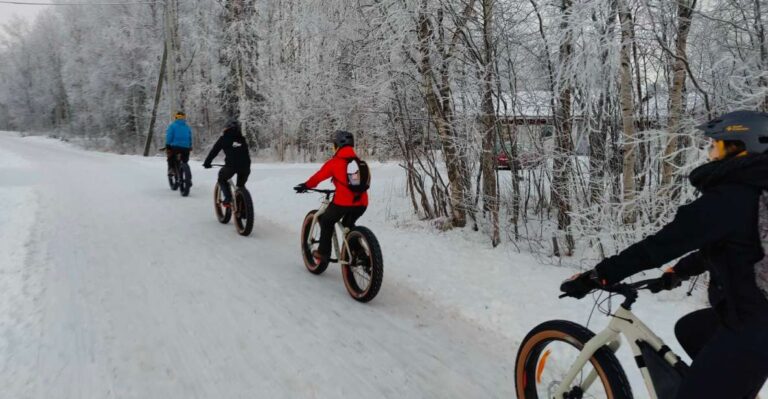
362 265
564 360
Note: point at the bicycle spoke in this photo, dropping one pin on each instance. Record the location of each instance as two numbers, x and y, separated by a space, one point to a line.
366 277
554 364
361 273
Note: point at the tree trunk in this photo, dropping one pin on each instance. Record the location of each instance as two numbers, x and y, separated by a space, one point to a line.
676 94
627 112
760 28
603 121
561 173
437 93
490 195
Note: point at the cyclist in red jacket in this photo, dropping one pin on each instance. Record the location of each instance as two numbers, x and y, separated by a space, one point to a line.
347 204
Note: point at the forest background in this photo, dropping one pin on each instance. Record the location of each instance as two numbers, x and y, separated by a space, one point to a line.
566 127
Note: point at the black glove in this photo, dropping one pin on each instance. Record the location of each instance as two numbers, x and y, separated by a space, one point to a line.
301 188
668 281
580 285
207 165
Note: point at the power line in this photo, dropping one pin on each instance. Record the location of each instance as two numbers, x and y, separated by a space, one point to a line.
24 3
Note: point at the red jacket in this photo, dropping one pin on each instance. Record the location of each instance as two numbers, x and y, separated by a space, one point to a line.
336 169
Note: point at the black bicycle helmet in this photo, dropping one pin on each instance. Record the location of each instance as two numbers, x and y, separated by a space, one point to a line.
747 127
341 138
232 123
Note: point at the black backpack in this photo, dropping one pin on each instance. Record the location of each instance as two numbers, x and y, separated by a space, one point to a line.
358 176
761 267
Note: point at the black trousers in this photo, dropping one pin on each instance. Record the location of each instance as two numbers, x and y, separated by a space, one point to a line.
727 362
226 173
171 155
333 214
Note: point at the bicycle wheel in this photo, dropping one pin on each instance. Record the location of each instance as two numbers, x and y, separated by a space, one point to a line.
244 214
173 182
185 176
364 272
309 244
548 352
222 214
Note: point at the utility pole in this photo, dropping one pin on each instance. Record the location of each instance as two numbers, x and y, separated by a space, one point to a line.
170 45
158 90
167 70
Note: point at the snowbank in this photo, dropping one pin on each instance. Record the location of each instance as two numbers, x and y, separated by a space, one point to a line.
18 284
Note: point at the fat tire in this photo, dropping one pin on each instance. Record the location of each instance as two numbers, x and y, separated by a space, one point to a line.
306 251
172 182
610 372
244 204
186 177
222 214
364 294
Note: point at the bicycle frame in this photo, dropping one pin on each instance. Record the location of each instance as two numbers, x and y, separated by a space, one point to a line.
338 228
179 161
625 323
233 201
232 188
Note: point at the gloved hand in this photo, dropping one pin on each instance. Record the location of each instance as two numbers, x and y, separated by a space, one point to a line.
207 165
580 285
668 281
301 188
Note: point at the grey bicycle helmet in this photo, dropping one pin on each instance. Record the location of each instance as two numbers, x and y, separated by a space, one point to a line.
747 127
341 138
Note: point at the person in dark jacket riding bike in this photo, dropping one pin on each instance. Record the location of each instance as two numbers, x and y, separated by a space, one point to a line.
347 205
237 159
717 232
178 140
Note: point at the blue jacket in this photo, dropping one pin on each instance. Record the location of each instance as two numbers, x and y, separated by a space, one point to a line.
178 134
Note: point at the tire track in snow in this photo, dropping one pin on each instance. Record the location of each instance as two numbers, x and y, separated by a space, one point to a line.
148 296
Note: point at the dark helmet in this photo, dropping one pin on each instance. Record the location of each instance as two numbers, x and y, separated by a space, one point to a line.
747 127
341 138
232 123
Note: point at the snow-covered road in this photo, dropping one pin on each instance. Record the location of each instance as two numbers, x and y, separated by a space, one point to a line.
112 286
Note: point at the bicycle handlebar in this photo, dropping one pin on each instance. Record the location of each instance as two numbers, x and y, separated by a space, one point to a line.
327 193
321 191
627 290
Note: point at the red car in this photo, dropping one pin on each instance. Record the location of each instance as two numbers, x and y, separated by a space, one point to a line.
502 161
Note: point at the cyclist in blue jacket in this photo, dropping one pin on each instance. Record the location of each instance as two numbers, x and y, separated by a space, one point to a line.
178 140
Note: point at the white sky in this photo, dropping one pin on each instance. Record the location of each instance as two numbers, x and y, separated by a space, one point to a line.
7 11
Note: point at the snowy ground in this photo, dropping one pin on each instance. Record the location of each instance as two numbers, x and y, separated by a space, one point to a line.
113 286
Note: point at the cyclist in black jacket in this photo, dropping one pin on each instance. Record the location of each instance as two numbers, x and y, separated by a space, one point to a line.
237 158
718 231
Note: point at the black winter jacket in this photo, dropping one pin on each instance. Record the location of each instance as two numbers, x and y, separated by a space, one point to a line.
235 149
721 228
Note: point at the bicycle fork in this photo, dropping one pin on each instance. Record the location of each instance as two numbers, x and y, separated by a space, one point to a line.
607 337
